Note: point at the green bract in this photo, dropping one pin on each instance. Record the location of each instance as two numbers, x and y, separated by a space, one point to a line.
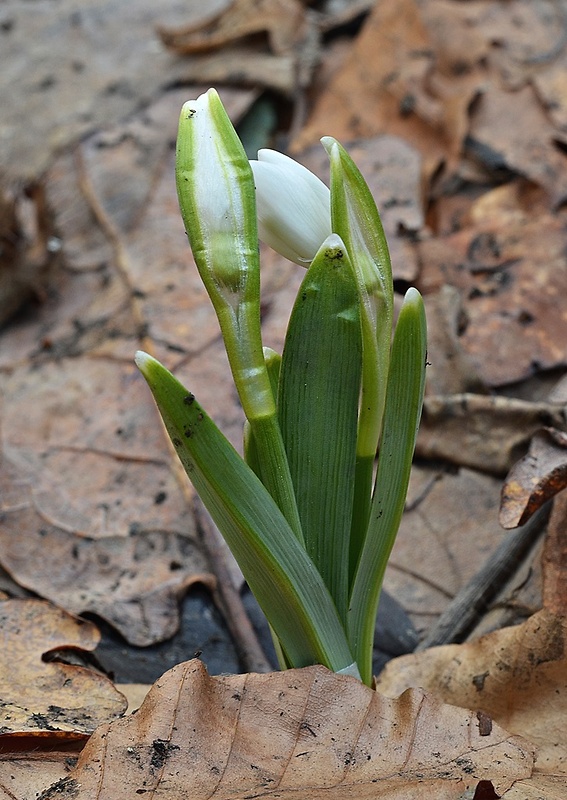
310 527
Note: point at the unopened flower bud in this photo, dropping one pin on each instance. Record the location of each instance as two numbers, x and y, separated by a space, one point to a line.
216 196
294 212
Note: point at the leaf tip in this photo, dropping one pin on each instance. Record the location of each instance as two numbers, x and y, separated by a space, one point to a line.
413 298
143 361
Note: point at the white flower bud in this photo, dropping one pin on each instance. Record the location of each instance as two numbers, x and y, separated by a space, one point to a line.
293 206
217 201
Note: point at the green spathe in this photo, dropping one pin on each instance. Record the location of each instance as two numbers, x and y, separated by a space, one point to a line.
356 219
215 187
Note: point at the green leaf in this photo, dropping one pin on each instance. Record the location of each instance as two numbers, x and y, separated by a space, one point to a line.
357 221
280 573
318 410
404 400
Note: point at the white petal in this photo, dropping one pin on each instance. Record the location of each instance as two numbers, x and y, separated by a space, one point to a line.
301 173
293 206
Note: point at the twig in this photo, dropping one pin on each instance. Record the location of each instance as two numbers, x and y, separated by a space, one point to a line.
463 612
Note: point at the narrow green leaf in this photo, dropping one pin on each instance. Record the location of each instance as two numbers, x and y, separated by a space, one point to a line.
318 410
357 221
280 573
404 399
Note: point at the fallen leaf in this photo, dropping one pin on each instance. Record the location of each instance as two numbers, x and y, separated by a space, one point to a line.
292 734
554 560
85 70
233 51
450 370
38 697
80 433
280 19
382 87
535 478
76 527
462 82
511 131
488 433
23 776
517 676
449 530
511 271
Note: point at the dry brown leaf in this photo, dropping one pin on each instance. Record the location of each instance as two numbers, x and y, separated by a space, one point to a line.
225 48
280 19
23 776
510 130
241 65
536 478
57 700
382 87
449 530
554 560
511 270
292 734
77 529
94 516
482 77
76 67
517 676
483 432
539 787
450 370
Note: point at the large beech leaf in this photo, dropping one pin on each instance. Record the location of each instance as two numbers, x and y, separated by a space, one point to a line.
298 734
518 677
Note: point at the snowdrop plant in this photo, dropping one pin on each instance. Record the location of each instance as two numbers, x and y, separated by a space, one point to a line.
312 511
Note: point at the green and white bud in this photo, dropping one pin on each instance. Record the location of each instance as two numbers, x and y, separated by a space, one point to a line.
217 200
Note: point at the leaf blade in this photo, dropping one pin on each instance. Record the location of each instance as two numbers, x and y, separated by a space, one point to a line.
318 410
274 563
402 411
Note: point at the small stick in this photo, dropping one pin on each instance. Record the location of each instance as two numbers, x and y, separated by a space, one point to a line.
467 607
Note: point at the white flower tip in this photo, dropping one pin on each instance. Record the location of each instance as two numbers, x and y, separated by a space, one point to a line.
293 206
